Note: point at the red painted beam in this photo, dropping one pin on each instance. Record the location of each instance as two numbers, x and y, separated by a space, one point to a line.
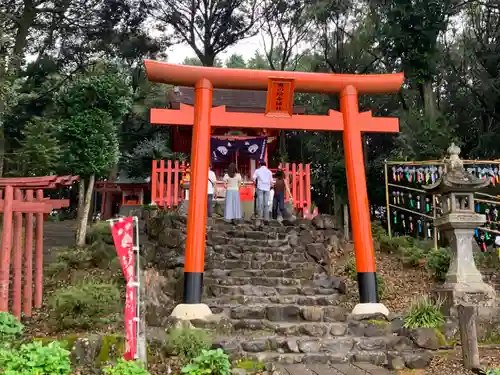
25 207
220 118
249 79
56 203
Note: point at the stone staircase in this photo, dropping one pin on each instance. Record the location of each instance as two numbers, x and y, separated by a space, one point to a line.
266 286
282 305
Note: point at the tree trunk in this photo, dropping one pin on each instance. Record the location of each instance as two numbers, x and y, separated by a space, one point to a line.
79 210
346 222
428 97
84 216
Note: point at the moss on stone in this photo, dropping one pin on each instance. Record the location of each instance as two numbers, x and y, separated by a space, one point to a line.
249 365
378 323
441 337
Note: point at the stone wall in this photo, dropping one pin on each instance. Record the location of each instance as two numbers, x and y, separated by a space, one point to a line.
164 252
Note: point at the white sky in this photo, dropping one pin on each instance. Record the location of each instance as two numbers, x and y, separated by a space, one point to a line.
246 48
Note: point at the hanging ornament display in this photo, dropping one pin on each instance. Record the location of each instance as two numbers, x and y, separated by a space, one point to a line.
418 202
411 224
412 202
427 204
420 227
429 230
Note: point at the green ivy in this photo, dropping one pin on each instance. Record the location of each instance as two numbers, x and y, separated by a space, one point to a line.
213 362
10 327
35 358
123 367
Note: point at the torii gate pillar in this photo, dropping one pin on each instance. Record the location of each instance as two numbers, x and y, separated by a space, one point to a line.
280 89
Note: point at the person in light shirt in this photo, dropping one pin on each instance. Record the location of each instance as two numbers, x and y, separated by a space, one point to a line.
212 179
232 182
263 179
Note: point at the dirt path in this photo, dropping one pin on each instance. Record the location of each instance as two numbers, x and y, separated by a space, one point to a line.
57 234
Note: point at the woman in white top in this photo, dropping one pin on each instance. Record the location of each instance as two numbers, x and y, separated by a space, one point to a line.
232 181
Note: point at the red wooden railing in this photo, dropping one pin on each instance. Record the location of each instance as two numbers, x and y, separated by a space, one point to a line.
18 197
167 192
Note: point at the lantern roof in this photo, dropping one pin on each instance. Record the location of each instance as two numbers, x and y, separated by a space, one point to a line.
455 178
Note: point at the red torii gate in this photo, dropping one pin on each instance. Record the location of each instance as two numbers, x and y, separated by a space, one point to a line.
13 205
280 88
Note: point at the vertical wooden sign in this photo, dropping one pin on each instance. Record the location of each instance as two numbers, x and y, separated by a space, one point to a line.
280 97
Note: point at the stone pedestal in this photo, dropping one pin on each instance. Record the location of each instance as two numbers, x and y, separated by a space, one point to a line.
464 283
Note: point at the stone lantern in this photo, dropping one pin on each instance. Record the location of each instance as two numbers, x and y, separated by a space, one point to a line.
464 283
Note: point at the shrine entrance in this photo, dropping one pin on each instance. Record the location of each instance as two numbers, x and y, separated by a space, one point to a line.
280 87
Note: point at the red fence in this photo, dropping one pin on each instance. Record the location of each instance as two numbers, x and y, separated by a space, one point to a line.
18 198
167 192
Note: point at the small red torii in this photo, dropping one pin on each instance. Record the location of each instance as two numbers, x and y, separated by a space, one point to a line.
18 197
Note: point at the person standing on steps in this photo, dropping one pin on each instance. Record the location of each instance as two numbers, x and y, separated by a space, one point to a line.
232 182
263 179
212 179
280 187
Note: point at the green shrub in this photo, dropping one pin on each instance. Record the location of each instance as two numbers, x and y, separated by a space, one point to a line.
85 306
10 327
100 232
35 358
188 343
380 286
424 313
438 262
74 257
123 367
214 362
493 371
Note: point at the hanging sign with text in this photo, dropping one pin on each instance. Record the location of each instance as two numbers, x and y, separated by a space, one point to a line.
280 97
123 237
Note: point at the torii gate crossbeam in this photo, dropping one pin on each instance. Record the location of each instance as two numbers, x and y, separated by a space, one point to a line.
280 88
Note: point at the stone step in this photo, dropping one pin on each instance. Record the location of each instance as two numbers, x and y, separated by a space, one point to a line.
288 313
234 249
266 291
249 233
271 281
329 300
222 238
306 273
334 344
260 256
299 267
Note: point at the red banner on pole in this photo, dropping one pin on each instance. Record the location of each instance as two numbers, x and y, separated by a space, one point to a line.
123 237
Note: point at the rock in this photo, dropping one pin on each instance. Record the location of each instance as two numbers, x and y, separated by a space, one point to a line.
339 284
312 313
85 351
338 329
315 330
158 301
400 343
292 346
395 362
309 346
317 251
170 237
425 338
374 316
417 360
371 343
283 313
238 371
254 346
340 346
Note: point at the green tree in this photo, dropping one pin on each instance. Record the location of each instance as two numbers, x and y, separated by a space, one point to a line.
91 108
209 28
40 151
236 61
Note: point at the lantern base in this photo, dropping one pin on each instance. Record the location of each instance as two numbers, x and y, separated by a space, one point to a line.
370 309
186 311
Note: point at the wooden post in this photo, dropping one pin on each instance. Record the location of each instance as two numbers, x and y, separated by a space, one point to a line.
17 258
28 260
468 337
387 198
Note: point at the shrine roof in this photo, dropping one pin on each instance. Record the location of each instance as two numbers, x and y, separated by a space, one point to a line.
235 99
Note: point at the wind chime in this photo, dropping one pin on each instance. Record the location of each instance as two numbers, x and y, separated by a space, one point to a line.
485 172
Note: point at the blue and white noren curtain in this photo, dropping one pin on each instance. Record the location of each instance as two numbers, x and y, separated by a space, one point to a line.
223 149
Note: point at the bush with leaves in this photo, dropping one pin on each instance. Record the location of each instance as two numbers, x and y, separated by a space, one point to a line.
86 305
424 313
438 262
10 327
214 362
188 343
35 358
493 371
123 367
